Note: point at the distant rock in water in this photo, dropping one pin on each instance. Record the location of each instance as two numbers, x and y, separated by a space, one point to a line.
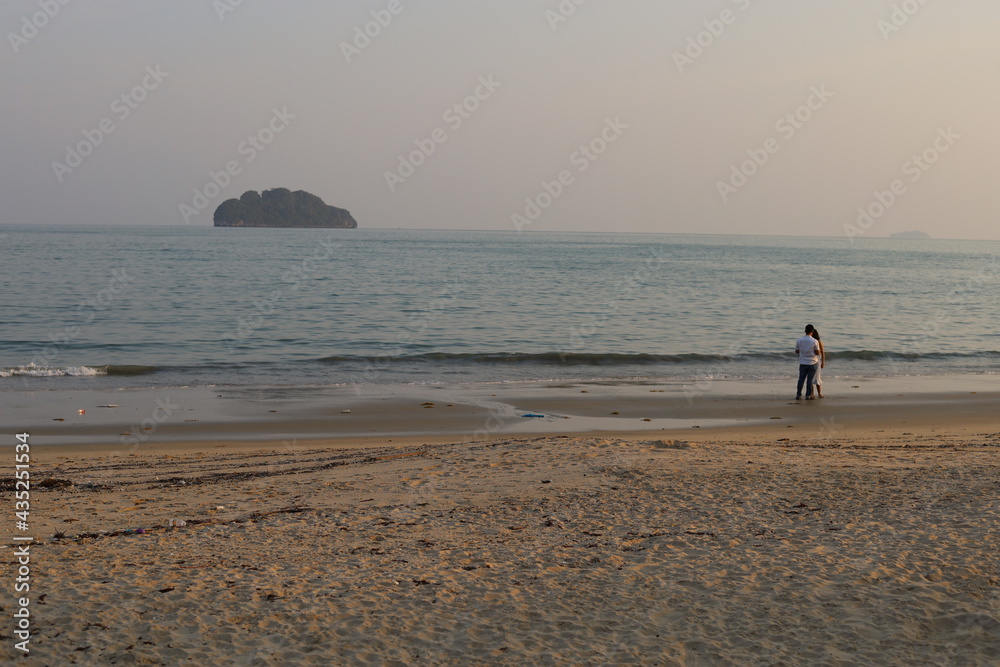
281 207
910 235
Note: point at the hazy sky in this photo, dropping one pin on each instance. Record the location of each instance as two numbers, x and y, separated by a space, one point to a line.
689 116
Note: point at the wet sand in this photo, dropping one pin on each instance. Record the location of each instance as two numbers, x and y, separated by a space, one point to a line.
127 420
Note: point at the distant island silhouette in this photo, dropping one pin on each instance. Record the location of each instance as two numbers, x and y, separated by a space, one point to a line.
281 207
910 235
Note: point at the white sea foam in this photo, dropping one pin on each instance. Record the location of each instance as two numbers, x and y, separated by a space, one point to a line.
31 370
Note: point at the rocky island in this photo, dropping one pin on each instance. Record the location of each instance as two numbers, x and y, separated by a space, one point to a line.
281 207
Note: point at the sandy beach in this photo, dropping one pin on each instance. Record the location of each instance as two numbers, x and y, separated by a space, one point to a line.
465 334
735 528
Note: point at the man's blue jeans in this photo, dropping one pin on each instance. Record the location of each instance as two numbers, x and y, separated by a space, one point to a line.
807 373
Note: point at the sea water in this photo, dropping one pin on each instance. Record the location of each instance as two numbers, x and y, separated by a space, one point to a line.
173 306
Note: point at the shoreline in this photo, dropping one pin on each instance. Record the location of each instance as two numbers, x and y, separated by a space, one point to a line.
125 420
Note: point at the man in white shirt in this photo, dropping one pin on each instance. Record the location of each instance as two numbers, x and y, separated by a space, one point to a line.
808 350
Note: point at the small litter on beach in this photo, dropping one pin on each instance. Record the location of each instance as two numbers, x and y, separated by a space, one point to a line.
109 405
176 523
531 414
345 412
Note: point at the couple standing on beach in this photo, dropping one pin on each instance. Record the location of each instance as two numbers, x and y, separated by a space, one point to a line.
811 359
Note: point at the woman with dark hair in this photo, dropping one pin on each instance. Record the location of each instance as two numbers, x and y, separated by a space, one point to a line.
822 363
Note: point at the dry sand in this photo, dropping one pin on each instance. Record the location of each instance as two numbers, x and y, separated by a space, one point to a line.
862 544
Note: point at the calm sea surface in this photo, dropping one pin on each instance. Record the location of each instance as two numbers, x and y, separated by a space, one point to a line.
145 307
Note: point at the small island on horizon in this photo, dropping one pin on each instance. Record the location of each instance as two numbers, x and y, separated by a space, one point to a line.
281 207
910 235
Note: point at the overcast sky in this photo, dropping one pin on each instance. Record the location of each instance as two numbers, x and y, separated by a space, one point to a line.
688 116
